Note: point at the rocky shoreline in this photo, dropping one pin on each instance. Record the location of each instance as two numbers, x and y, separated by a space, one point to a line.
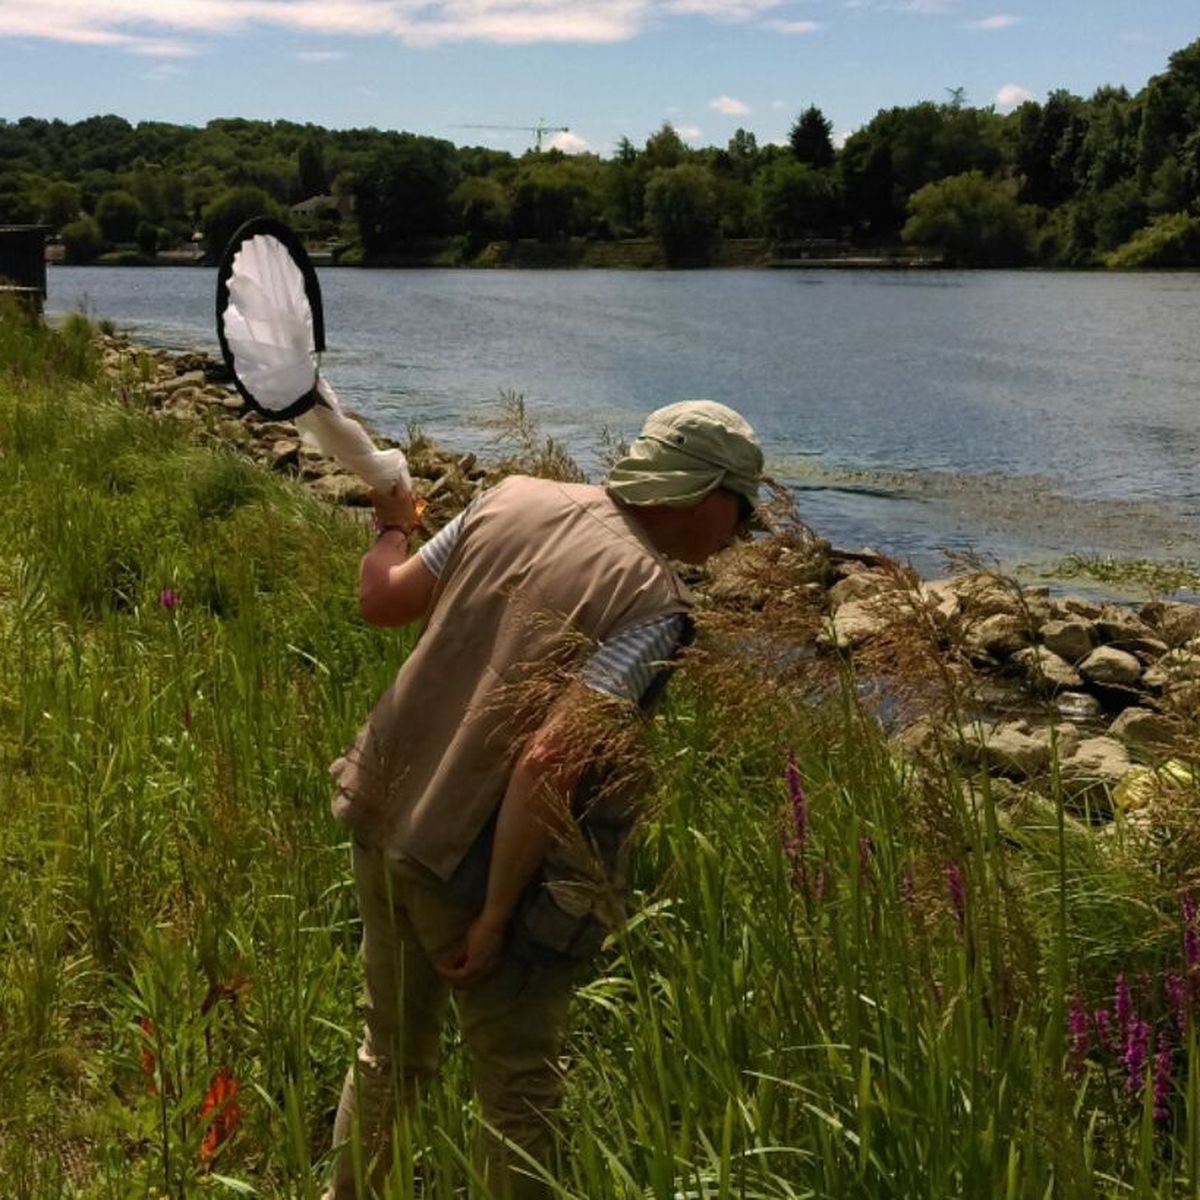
1099 696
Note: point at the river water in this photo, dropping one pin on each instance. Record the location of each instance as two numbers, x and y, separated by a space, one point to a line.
1023 416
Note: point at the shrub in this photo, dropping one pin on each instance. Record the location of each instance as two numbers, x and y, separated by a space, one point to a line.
972 221
82 242
1168 241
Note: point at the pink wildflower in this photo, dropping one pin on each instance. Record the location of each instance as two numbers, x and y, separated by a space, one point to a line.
1137 1048
1162 1083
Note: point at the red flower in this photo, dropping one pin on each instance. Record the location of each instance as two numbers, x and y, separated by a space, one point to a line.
222 1110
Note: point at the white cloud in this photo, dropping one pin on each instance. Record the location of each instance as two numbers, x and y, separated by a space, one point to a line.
569 143
150 27
729 106
722 10
1011 95
925 8
689 133
839 139
1000 21
320 56
793 27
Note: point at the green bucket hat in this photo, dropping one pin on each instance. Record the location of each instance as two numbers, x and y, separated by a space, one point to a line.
685 451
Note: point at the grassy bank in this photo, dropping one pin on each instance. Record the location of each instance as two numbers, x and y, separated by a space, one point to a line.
845 978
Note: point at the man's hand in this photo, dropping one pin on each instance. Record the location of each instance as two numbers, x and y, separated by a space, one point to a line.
395 506
479 955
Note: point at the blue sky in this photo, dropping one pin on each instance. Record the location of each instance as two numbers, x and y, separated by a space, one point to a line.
608 69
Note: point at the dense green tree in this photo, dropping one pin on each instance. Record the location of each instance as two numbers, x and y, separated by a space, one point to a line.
971 221
82 241
1050 138
664 148
1170 105
1120 212
681 212
1107 150
811 138
552 199
147 238
228 212
118 214
483 209
740 158
404 193
61 203
795 200
902 149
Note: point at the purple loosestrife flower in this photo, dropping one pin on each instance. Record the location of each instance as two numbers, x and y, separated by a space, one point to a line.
168 598
1078 1029
1176 989
1162 1083
821 881
1137 1047
1187 907
957 892
1191 947
1102 1019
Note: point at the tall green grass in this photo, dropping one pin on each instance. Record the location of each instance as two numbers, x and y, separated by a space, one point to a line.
879 1008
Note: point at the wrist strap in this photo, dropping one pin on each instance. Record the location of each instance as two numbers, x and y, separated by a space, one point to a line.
408 531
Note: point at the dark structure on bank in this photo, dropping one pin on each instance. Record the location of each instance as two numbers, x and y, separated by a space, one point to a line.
23 263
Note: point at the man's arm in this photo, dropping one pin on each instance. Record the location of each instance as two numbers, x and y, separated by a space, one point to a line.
393 589
533 815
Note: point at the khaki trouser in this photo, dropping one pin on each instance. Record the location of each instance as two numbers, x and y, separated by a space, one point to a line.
512 1025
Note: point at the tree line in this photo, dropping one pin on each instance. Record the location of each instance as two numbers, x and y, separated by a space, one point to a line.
1113 179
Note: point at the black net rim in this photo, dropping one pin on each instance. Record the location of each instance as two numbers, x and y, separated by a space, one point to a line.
270 227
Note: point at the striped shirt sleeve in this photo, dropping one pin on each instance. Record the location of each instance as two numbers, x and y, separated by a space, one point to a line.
436 552
624 664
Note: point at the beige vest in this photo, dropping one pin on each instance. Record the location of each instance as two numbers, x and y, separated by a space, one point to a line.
542 572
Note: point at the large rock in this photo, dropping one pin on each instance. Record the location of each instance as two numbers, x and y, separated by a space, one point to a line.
1144 731
942 597
1016 749
1124 629
1077 606
1176 623
859 585
983 597
1093 768
343 489
190 379
998 636
1045 671
1108 666
855 623
283 454
1176 666
1071 639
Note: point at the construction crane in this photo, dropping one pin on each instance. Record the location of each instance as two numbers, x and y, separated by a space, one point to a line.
539 130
